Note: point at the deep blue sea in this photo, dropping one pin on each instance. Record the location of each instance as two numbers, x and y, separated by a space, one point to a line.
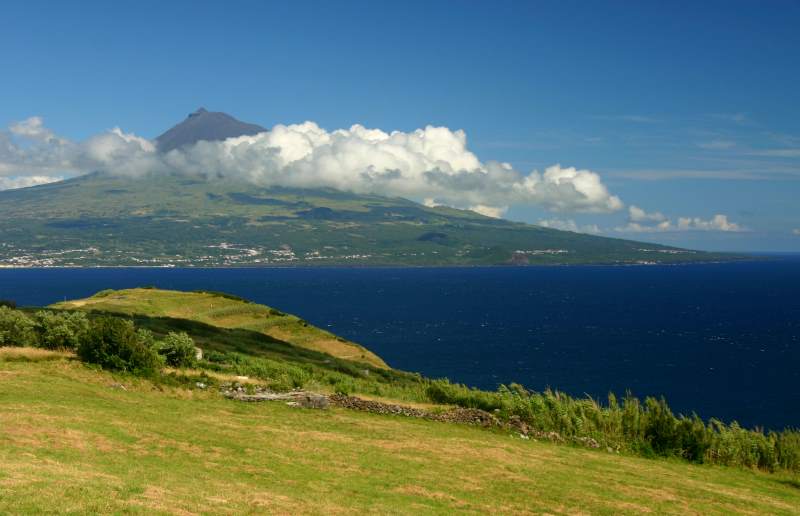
722 340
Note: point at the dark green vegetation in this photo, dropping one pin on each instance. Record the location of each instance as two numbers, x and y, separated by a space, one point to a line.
629 426
168 220
110 342
115 344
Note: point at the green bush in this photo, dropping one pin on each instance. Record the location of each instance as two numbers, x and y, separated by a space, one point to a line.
344 387
16 328
178 350
114 343
8 303
60 330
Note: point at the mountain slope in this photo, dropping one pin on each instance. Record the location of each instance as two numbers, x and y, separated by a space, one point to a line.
100 219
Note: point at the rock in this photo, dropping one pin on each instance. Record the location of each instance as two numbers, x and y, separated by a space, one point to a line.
294 398
200 385
198 354
311 400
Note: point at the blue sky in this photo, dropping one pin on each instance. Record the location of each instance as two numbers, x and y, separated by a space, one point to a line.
684 110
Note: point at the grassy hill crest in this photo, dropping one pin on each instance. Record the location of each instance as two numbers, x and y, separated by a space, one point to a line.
224 311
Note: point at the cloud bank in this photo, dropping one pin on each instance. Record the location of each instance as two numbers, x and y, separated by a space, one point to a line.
640 221
433 162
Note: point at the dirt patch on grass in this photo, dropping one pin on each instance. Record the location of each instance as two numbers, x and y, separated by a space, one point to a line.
157 499
416 490
37 436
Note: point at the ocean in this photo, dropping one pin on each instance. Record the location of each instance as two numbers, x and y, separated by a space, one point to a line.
721 340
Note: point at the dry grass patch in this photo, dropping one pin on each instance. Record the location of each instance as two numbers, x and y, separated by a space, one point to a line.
27 354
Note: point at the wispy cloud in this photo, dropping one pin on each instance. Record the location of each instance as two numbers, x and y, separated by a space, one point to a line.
717 145
735 118
753 170
668 174
796 231
777 153
636 119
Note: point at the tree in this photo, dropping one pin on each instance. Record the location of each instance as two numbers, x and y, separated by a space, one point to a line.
16 328
114 343
61 330
178 350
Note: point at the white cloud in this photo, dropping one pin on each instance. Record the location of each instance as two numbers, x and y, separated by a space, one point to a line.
33 128
796 231
636 214
495 212
569 225
717 223
640 221
433 162
9 183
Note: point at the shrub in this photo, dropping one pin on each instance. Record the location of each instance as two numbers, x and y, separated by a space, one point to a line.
60 330
787 446
178 350
16 328
442 391
114 343
8 303
344 387
660 427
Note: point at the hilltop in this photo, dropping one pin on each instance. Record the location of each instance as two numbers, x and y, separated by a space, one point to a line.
223 311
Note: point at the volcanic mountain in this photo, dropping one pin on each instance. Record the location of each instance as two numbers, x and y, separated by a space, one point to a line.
204 125
176 220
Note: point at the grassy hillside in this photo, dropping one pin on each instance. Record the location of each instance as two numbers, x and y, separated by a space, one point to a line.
185 221
224 311
72 440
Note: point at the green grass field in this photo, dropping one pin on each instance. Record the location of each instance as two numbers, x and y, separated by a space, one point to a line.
72 441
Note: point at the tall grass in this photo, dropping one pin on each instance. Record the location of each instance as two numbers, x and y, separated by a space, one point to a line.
646 428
